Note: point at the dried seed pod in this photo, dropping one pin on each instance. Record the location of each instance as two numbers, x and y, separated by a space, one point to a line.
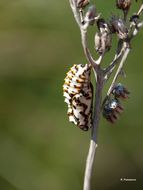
103 38
90 15
102 42
78 93
111 110
103 26
82 3
123 4
119 91
134 19
118 26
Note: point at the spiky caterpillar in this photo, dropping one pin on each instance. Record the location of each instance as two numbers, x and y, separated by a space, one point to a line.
78 93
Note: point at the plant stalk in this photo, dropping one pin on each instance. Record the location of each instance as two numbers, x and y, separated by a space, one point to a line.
93 141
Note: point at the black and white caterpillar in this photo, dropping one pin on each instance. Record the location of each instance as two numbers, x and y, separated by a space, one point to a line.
78 93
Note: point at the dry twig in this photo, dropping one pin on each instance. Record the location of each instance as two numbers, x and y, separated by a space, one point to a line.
125 35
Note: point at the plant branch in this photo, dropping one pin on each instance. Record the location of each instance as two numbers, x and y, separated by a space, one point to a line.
93 141
86 49
124 57
98 95
75 12
112 65
124 53
121 48
83 30
89 164
119 70
140 10
101 76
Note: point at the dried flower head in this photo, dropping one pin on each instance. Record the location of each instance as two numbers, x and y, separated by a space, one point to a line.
119 91
111 110
118 26
102 42
123 4
103 38
103 26
82 3
134 19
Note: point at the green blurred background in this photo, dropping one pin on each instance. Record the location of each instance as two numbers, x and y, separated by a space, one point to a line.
39 148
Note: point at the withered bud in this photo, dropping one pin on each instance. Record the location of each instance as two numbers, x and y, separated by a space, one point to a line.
82 3
118 26
111 110
123 4
91 15
102 26
134 19
119 91
103 38
103 42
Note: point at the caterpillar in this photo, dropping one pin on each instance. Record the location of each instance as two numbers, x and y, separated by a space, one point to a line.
78 93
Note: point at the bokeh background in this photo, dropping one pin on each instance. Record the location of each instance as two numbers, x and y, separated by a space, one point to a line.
39 148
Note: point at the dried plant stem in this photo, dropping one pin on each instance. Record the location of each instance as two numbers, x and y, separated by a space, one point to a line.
101 76
98 96
140 10
124 57
89 164
126 50
93 141
85 47
99 85
118 70
119 53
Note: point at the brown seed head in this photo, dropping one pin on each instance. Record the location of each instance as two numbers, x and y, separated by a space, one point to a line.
118 26
123 4
82 3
